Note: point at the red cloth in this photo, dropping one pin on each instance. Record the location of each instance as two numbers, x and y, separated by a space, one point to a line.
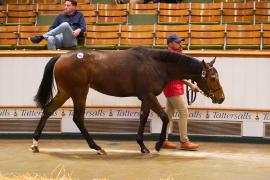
174 87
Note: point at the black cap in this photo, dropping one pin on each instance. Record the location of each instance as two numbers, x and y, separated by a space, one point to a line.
174 38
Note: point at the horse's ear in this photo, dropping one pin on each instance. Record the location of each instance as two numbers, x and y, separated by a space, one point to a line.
212 62
205 65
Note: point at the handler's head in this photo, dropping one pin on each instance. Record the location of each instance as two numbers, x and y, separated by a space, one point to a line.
174 41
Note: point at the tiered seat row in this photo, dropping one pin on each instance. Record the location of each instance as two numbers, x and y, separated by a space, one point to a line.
44 1
256 36
12 37
183 13
91 1
220 36
240 1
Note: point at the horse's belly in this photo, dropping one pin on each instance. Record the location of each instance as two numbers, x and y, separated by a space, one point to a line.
115 91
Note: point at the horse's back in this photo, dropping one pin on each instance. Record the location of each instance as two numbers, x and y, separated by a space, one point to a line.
116 73
109 72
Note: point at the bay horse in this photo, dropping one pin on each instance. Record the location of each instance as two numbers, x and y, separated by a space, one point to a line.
139 72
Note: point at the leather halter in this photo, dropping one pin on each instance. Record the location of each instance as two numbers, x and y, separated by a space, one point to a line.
210 92
191 96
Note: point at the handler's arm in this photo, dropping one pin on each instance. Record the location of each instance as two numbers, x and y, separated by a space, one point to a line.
193 87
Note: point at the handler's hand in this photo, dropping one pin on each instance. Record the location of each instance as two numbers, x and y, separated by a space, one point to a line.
194 87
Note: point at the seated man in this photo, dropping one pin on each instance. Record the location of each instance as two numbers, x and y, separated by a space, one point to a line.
66 29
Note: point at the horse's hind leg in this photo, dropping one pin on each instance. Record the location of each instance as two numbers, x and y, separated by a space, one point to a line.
78 118
143 119
55 103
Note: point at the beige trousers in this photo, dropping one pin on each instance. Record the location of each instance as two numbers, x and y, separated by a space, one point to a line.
178 103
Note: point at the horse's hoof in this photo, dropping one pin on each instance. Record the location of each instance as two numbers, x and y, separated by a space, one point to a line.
35 149
101 152
158 146
145 151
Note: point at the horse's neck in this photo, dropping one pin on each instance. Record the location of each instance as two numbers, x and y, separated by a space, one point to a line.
193 68
180 65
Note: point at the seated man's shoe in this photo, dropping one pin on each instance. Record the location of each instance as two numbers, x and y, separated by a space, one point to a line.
36 39
188 145
168 145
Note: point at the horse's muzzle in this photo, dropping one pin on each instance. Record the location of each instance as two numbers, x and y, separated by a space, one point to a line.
218 100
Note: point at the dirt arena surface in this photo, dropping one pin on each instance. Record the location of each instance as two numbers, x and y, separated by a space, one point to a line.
215 161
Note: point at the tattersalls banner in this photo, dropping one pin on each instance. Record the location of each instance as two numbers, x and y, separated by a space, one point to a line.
228 115
23 113
252 120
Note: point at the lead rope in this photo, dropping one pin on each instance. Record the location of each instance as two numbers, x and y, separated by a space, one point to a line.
191 95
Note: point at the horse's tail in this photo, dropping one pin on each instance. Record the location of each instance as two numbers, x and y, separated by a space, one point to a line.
45 90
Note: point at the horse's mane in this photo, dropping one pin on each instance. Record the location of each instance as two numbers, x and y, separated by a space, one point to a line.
170 57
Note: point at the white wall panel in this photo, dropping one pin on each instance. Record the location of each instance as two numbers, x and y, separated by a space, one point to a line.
20 78
245 81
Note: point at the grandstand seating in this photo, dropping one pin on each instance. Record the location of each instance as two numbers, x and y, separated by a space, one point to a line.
131 36
163 31
90 17
173 13
253 36
48 1
238 13
19 1
2 14
135 8
86 8
230 1
182 13
49 9
188 20
84 1
8 37
207 37
89 11
266 36
206 13
243 36
262 12
18 14
102 37
25 32
112 14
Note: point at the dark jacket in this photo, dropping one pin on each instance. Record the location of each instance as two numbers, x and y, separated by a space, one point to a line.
76 20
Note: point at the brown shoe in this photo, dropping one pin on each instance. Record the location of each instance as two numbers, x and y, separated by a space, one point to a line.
168 145
188 145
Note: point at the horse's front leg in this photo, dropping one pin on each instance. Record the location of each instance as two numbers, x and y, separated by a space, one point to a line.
165 120
156 107
143 119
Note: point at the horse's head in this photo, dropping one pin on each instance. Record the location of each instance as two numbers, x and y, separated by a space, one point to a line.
209 83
